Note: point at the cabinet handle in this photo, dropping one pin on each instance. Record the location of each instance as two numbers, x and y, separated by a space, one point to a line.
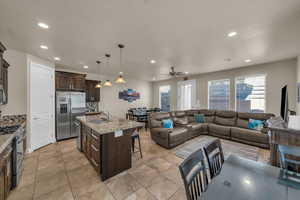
94 148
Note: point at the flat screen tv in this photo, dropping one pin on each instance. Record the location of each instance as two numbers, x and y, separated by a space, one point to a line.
284 110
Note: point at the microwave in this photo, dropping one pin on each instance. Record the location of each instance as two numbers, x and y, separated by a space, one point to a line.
3 99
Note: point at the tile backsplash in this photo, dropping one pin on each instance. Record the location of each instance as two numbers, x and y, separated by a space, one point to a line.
92 106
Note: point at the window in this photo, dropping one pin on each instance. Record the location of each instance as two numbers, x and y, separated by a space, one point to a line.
186 94
250 94
219 94
164 98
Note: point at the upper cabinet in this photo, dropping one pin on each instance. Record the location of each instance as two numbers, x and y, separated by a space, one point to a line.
92 93
3 76
69 81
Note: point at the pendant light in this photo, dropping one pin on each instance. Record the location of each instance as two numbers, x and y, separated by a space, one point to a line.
120 79
99 82
107 82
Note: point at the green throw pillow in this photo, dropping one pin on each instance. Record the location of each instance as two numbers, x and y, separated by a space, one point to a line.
199 118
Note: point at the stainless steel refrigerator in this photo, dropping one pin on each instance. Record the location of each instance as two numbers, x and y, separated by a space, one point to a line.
69 105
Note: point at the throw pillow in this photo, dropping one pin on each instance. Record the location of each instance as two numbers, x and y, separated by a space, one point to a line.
255 124
167 123
199 118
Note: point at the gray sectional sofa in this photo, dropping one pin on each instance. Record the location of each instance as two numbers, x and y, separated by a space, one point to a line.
224 124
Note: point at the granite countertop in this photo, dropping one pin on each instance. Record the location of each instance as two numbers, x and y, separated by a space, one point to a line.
12 120
6 122
100 124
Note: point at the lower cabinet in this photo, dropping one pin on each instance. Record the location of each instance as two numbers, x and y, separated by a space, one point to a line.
91 144
5 173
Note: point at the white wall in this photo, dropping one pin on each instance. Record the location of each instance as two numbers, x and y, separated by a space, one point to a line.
109 96
278 74
16 83
298 81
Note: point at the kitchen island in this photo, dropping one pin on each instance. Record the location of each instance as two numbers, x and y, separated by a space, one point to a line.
107 143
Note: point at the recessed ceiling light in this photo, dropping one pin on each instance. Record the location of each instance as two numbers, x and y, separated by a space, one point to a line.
43 25
44 47
152 61
153 78
232 34
85 66
57 58
186 72
247 60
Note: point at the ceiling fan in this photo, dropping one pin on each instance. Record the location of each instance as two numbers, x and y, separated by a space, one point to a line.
174 73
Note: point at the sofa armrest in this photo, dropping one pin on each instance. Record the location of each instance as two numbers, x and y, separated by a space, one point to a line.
163 132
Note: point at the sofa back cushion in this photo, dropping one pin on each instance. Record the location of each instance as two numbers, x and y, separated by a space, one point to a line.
156 119
209 115
225 118
190 115
243 118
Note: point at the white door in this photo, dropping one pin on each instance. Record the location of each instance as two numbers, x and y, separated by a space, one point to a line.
41 105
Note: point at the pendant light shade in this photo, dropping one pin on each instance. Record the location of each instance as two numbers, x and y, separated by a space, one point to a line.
120 78
107 82
99 83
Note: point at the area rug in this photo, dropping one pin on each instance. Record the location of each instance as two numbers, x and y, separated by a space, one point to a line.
229 147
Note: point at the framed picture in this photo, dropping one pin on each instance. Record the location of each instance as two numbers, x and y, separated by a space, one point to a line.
298 92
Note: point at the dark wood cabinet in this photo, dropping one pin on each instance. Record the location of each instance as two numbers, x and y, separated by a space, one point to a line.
5 172
69 81
92 93
4 74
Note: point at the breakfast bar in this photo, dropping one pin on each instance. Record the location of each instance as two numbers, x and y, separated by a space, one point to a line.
107 143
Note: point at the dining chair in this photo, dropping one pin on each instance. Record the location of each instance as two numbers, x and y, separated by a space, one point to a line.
194 175
289 158
215 157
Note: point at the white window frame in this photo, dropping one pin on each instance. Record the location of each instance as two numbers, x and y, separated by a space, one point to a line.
251 75
159 97
229 91
193 94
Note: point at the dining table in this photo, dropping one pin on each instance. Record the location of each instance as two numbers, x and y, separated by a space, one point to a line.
244 179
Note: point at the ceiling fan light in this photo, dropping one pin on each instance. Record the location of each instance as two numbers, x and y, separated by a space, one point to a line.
120 79
108 83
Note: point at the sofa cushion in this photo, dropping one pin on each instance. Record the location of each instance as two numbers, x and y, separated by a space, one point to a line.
225 121
160 116
249 135
242 123
258 116
198 126
180 121
209 119
226 113
178 134
216 129
155 123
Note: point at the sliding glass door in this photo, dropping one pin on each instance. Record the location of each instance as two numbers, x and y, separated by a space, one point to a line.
165 98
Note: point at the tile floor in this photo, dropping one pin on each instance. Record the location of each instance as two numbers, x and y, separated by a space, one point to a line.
60 172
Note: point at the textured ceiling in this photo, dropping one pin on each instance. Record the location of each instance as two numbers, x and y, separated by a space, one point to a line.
190 35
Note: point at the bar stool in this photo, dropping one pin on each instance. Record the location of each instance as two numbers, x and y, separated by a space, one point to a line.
135 136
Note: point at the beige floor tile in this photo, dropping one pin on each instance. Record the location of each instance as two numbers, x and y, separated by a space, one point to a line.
62 193
22 193
173 174
159 164
179 195
141 194
123 186
45 185
100 192
163 188
144 175
171 158
26 179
